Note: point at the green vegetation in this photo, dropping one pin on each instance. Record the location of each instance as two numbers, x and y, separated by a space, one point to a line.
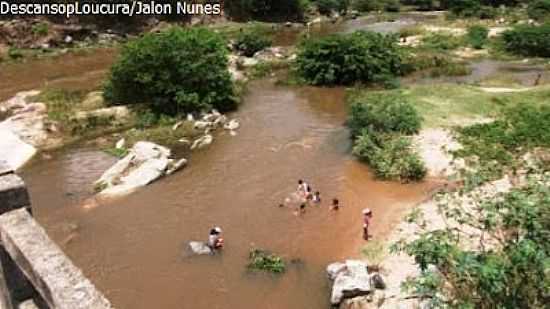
390 155
498 145
272 10
265 261
539 10
376 5
508 268
377 121
477 36
442 42
15 53
434 64
360 57
374 252
327 7
173 72
40 29
249 42
63 107
117 152
383 112
528 40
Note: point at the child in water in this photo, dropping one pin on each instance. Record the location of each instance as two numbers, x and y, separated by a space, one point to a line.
317 197
335 204
301 210
215 241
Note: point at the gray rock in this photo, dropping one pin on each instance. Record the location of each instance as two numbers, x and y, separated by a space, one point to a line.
377 281
199 248
145 163
334 269
350 282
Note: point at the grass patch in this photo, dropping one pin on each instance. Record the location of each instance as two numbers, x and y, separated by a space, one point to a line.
262 260
448 105
264 69
374 252
231 30
116 152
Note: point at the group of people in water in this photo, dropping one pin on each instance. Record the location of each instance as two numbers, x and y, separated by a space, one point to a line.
304 196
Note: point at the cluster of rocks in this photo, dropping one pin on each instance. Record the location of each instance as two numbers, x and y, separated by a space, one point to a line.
144 163
207 123
238 63
354 287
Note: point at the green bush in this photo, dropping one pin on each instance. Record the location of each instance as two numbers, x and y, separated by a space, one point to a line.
376 123
539 10
266 10
40 29
528 40
249 42
442 42
464 8
392 6
384 112
266 261
477 36
391 156
173 72
327 7
347 59
367 5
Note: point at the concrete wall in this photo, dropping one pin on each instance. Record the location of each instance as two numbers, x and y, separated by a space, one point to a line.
32 265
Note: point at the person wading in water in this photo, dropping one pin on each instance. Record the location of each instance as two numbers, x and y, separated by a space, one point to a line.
367 216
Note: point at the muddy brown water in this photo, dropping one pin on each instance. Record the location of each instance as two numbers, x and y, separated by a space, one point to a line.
134 248
75 71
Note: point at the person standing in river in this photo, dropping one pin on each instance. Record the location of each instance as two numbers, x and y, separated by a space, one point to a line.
367 216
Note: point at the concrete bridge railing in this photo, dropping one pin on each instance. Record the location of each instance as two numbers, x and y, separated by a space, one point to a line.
32 266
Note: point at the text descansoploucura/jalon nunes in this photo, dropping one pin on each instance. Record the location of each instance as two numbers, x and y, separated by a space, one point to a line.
128 7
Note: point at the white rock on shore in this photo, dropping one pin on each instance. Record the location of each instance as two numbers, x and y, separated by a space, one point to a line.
351 279
145 163
23 131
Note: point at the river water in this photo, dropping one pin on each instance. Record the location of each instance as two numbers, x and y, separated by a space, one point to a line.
134 248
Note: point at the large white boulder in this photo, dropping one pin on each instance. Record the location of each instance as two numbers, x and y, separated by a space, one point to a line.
351 279
145 163
14 150
199 248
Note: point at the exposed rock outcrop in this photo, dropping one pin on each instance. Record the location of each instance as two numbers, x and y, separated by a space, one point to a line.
350 279
25 128
145 163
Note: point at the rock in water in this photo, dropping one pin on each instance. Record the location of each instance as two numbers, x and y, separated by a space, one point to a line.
202 142
232 125
199 248
145 163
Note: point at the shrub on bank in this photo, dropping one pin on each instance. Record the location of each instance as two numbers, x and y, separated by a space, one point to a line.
249 42
360 57
528 40
477 36
384 112
173 72
391 156
377 123
442 41
539 10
